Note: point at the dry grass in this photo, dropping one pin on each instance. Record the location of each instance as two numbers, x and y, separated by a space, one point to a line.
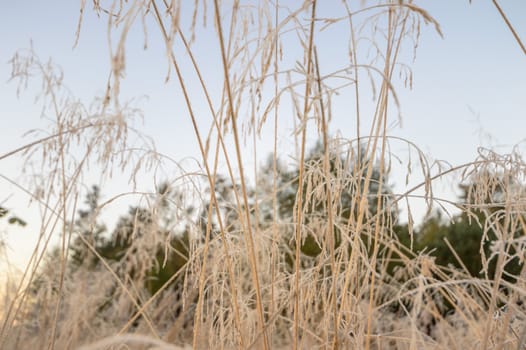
238 289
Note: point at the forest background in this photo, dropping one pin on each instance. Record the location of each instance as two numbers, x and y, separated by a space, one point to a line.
319 243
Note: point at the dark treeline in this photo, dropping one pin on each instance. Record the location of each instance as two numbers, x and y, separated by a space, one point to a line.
467 233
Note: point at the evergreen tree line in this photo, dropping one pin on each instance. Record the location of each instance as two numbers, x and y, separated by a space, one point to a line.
460 242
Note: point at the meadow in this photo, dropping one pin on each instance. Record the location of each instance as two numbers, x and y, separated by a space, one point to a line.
303 249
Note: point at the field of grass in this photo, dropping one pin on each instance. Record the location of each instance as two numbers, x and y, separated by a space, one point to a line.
306 254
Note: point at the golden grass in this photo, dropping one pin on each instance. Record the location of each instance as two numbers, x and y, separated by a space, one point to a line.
246 282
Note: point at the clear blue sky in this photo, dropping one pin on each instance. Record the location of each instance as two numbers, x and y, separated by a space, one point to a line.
470 84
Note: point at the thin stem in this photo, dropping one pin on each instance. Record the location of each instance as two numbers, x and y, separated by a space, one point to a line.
247 229
299 195
515 35
209 176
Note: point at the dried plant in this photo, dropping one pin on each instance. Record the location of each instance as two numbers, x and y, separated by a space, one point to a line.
301 259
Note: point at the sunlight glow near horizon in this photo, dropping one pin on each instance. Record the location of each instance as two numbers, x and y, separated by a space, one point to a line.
469 89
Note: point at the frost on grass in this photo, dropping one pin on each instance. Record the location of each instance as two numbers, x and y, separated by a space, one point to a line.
313 253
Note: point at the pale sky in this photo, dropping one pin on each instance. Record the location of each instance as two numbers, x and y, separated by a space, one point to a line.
469 88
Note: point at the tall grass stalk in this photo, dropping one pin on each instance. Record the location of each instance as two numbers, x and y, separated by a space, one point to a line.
246 278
